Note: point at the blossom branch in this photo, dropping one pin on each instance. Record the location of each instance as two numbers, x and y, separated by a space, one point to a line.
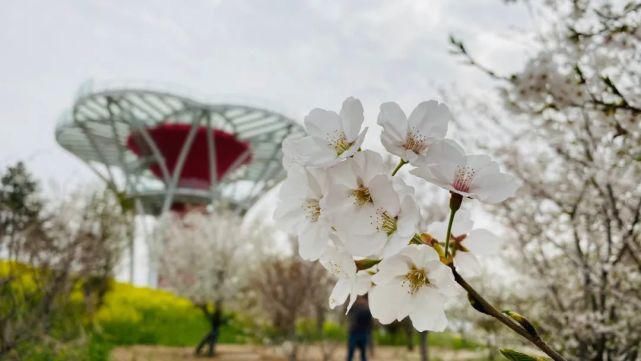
398 167
455 203
482 305
458 48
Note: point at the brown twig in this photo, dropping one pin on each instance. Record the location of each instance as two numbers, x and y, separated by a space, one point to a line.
482 305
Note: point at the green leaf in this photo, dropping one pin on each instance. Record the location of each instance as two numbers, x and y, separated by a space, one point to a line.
519 356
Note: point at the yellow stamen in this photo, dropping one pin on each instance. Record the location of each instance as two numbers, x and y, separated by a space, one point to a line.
361 195
340 143
416 278
387 223
311 208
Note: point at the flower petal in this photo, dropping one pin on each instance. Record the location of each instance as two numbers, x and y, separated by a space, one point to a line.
339 293
483 242
406 227
440 163
356 145
395 244
363 245
358 170
288 216
362 283
313 240
467 264
394 123
462 223
307 151
437 230
323 124
357 220
430 118
351 117
338 262
496 187
391 115
421 255
383 194
368 164
389 302
482 163
442 277
391 268
428 310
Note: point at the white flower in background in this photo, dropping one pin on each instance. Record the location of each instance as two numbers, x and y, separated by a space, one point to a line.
472 176
413 283
529 87
331 137
301 210
369 215
351 282
411 137
467 243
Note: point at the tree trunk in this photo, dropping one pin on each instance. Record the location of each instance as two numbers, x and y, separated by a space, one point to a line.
423 346
211 339
409 334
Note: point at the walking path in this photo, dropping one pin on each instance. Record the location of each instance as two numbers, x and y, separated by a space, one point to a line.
256 353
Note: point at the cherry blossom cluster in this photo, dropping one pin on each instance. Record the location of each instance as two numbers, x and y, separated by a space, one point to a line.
349 211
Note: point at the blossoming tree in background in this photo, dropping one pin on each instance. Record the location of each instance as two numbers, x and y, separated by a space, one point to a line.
287 290
203 259
571 132
51 250
351 212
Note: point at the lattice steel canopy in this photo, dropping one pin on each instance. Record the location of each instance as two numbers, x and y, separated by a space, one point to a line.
171 152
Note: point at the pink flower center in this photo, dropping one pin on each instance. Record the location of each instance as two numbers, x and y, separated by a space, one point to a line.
463 178
415 141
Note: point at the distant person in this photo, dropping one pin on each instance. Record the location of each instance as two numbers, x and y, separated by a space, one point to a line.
360 328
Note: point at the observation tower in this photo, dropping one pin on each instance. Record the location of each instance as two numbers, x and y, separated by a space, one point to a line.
167 152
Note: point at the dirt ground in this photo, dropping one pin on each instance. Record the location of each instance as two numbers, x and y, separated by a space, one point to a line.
251 353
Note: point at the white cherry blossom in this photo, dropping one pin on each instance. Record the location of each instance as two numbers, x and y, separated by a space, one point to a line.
351 282
413 283
410 137
472 176
369 215
467 243
301 210
331 137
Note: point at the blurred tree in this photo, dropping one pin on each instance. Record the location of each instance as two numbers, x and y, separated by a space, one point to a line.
288 289
49 252
105 231
207 258
571 129
20 206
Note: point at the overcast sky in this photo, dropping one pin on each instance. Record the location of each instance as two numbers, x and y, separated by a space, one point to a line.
293 55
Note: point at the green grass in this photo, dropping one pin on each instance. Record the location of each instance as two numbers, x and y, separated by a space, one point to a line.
452 341
448 340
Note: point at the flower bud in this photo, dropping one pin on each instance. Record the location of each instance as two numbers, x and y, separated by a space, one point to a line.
477 305
524 322
364 264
